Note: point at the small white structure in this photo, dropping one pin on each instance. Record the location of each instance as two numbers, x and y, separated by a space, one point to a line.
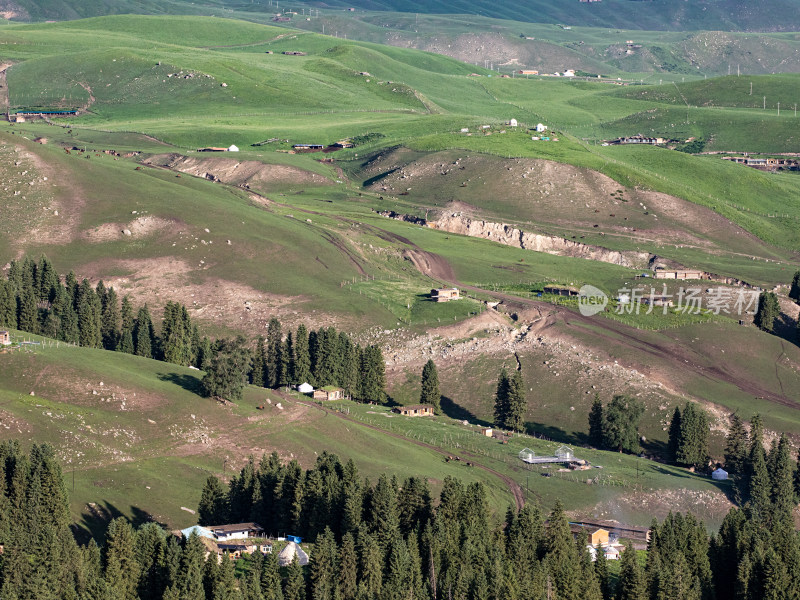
286 556
540 127
565 453
513 123
569 73
465 130
527 454
233 148
720 474
305 388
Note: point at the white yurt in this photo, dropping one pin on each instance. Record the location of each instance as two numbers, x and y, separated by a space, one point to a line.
287 555
720 474
233 148
305 388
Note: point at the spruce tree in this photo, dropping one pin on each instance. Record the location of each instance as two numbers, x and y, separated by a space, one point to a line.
295 588
674 440
302 361
517 404
621 431
8 306
347 584
226 586
272 366
430 387
794 290
111 320
758 484
226 375
501 400
323 567
257 372
560 553
631 585
213 507
596 423
271 578
782 477
693 442
768 311
373 374
143 336
121 567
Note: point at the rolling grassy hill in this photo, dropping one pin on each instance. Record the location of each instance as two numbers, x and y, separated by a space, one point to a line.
264 232
139 442
730 15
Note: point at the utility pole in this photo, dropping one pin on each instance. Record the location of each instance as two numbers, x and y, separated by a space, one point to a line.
737 70
751 88
765 103
779 109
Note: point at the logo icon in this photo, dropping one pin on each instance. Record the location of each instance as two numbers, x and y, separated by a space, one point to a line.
591 300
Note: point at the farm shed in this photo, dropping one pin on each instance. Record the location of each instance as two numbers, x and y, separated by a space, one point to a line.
329 393
663 274
719 474
444 294
286 556
560 290
658 300
487 431
236 531
416 410
5 338
305 388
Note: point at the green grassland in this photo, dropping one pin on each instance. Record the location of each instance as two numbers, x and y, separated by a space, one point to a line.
661 15
316 249
142 443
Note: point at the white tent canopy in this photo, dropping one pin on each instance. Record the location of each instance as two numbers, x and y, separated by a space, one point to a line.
305 388
233 148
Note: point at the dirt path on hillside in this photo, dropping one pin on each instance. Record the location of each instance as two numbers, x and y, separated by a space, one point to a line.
513 486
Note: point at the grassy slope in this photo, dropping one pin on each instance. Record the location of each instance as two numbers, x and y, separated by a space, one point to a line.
149 453
662 14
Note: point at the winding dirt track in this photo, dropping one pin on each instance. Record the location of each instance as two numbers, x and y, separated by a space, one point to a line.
513 486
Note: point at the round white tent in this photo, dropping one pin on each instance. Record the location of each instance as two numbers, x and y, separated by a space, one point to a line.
287 555
305 388
720 474
233 148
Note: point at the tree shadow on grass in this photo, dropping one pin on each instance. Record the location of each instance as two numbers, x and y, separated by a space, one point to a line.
190 383
458 412
556 434
96 517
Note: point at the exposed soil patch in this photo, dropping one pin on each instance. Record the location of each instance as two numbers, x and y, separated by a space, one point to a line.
240 173
138 228
659 503
227 303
